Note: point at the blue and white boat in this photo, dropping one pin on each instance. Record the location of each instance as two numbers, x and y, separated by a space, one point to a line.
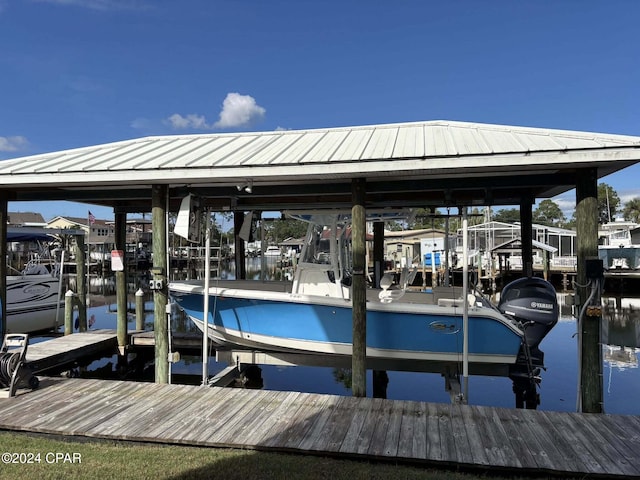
313 313
34 295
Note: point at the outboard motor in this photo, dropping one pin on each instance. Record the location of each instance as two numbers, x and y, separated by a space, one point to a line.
531 301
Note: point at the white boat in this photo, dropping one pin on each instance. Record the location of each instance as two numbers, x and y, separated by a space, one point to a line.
619 246
272 251
313 314
33 294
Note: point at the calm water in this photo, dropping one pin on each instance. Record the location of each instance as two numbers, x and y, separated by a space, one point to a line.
621 333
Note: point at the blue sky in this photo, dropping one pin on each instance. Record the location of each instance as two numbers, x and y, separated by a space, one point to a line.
83 72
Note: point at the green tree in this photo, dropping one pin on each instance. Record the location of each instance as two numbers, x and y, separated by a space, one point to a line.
507 215
281 229
608 203
549 213
631 210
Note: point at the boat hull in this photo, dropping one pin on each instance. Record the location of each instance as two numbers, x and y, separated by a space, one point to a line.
287 323
32 303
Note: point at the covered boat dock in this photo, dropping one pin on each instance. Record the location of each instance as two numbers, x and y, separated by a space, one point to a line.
421 164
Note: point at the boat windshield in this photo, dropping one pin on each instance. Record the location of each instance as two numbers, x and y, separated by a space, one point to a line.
330 246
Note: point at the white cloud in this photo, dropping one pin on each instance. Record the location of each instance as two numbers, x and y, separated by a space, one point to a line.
191 120
239 111
13 144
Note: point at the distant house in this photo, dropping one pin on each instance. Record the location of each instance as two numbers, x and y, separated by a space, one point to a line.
26 219
100 235
412 245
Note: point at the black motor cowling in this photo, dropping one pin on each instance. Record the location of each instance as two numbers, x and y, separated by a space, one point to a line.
533 302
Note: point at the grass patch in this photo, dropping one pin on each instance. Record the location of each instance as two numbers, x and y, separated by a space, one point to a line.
98 459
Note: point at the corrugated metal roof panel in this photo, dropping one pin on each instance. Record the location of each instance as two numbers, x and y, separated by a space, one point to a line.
380 144
346 145
439 142
409 142
353 145
296 151
323 151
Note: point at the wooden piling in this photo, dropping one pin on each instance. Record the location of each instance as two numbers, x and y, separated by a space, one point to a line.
4 220
121 282
378 253
358 289
81 282
590 354
160 292
240 260
526 234
69 300
140 309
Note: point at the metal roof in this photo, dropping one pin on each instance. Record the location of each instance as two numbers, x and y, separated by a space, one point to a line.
437 163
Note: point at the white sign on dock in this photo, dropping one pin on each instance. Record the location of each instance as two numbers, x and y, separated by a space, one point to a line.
117 261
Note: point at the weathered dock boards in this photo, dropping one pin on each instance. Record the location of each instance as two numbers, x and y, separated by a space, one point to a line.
516 441
59 351
179 340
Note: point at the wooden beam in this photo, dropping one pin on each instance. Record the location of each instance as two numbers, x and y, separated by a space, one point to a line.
160 293
121 281
82 285
590 349
526 233
4 220
241 269
358 290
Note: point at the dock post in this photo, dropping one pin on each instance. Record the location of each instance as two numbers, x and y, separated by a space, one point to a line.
160 292
591 396
240 260
358 289
68 312
140 309
81 282
378 253
4 220
121 282
526 234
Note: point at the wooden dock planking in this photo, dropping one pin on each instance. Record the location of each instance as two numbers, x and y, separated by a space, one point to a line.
413 431
376 446
368 426
335 428
579 442
517 441
464 450
520 449
136 405
60 351
392 437
193 417
248 419
278 416
303 420
358 416
318 421
476 432
618 453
